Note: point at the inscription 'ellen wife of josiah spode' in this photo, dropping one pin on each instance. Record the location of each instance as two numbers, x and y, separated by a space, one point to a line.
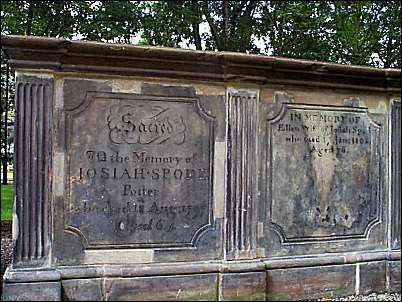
146 179
326 161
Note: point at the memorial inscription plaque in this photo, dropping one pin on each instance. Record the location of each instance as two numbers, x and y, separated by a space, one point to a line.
323 164
139 170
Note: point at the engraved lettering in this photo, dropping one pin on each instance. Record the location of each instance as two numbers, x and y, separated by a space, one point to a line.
325 158
145 125
144 178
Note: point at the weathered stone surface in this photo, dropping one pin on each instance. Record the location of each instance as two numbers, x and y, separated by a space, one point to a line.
106 59
394 275
324 173
144 182
34 97
156 174
396 175
75 90
243 286
35 291
310 282
322 178
242 171
177 288
145 178
372 277
83 290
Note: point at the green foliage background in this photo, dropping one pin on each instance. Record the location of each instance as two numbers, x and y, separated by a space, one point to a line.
347 32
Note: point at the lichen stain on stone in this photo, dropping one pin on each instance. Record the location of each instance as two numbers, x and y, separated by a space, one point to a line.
74 179
381 108
126 86
323 171
345 217
360 168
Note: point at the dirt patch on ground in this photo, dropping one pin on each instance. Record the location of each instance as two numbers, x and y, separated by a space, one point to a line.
6 229
6 246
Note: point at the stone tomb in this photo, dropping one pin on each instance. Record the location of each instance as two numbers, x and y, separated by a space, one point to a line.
162 174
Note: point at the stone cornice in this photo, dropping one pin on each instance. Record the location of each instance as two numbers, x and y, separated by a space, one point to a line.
121 59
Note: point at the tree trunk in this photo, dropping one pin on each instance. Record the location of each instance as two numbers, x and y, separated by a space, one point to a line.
212 26
226 23
29 19
196 26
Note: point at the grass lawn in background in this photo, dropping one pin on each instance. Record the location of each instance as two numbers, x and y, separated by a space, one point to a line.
6 202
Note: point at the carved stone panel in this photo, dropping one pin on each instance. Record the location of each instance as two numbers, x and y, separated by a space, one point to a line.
139 171
323 166
33 96
242 196
396 175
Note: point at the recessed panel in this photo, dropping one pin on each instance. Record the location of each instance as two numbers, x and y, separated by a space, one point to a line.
140 172
323 165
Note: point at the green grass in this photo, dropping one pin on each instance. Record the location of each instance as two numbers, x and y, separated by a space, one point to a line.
6 202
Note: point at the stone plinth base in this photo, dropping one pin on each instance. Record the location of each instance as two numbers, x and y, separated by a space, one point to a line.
273 280
34 291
